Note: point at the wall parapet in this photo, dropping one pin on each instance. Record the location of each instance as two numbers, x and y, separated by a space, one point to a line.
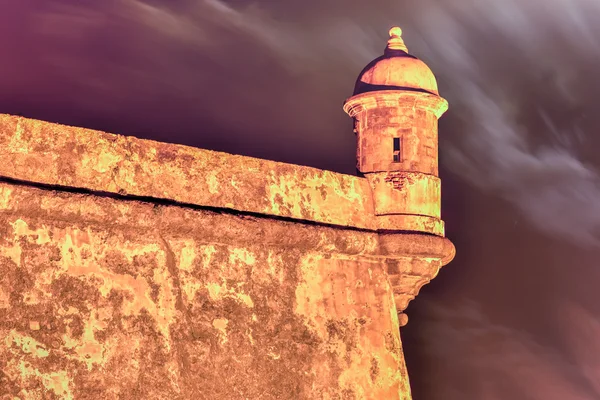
53 154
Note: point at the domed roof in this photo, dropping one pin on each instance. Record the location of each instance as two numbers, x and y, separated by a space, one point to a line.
396 70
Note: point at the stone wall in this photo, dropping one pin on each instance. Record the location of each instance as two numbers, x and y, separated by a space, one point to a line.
118 299
131 269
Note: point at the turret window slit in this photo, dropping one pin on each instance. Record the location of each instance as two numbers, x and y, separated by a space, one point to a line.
397 150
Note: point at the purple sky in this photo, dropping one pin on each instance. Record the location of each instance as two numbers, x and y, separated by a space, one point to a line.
517 314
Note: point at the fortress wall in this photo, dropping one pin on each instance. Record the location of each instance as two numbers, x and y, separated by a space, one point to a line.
120 299
132 269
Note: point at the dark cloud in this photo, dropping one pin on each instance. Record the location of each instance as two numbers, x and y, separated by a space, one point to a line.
519 77
476 358
515 315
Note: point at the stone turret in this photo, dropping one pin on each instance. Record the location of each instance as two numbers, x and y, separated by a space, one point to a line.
396 106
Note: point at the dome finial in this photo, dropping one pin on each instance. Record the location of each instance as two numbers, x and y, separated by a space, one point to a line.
396 42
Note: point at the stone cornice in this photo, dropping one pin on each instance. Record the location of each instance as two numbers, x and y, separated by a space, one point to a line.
395 98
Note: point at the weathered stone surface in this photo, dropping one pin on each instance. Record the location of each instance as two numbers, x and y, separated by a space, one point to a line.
407 193
103 298
411 117
398 152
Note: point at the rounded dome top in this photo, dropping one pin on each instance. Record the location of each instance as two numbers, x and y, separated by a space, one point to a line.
396 70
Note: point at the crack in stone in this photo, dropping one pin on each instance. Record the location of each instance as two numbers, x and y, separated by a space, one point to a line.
179 305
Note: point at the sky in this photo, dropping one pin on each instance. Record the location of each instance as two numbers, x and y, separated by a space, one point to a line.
516 315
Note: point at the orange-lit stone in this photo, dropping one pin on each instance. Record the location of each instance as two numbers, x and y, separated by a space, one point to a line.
131 269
